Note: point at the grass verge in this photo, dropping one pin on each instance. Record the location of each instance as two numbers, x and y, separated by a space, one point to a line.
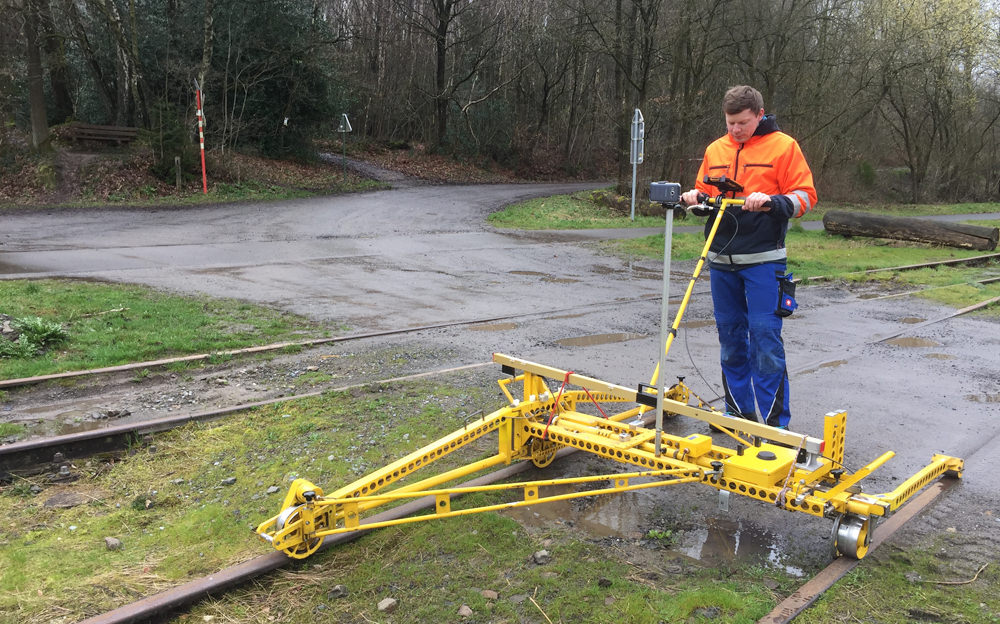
811 253
913 585
576 211
181 504
579 211
110 324
816 253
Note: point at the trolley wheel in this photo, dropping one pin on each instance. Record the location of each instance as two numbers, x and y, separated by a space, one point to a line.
542 452
306 546
852 535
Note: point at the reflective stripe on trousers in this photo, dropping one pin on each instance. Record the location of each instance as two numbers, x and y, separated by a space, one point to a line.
752 354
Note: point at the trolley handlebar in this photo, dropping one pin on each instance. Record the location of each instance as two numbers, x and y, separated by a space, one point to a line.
707 203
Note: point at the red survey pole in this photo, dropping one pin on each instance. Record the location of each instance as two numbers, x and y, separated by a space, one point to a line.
201 138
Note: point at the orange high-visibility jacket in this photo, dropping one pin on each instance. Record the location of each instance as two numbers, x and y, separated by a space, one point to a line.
769 162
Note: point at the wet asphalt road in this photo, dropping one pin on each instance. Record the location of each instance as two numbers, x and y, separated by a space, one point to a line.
423 255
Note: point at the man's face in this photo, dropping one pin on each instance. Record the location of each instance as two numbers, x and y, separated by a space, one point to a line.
742 125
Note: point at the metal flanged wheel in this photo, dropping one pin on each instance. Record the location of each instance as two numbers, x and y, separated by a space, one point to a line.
304 547
542 452
853 536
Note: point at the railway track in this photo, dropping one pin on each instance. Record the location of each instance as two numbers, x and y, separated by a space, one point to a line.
182 596
22 455
176 599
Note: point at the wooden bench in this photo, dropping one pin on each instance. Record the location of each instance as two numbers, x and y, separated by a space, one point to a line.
111 134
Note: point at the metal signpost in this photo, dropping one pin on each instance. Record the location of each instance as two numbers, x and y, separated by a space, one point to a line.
638 141
343 129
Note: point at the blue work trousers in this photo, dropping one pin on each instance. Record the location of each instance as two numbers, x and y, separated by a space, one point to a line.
754 373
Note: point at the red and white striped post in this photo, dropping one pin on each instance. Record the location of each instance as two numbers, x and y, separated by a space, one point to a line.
201 138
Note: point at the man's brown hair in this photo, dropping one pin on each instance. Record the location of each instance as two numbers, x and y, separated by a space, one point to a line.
741 98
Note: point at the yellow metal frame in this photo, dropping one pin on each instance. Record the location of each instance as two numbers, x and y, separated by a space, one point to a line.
793 471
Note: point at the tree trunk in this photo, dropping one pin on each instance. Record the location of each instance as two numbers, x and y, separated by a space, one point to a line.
909 229
207 40
36 91
443 17
55 55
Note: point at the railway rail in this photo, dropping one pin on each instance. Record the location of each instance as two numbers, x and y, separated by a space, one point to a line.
192 591
20 456
23 381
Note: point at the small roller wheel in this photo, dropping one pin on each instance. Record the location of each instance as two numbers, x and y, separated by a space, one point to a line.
542 452
853 536
304 547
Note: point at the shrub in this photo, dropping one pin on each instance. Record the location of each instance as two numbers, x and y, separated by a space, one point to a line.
34 334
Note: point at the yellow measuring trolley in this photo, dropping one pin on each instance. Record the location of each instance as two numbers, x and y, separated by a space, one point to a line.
795 472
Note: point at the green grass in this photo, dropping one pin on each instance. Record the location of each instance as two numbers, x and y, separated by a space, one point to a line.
177 521
901 210
578 211
10 429
109 324
192 523
816 253
566 212
902 587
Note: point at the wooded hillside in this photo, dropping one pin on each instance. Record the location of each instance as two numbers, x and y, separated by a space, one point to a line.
890 99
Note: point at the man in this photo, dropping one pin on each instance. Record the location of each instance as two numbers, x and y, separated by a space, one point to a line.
748 257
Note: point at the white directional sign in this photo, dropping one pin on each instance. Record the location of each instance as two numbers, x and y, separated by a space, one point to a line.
638 137
345 124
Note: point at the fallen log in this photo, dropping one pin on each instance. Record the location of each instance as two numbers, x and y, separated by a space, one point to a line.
911 229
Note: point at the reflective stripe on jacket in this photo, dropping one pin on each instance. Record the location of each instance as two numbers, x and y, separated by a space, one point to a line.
769 162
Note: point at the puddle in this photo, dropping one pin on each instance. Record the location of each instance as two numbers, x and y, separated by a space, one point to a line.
565 316
546 277
67 428
65 409
639 272
986 398
833 364
615 515
560 280
724 541
911 320
697 324
71 417
939 356
12 269
720 541
913 342
493 327
598 339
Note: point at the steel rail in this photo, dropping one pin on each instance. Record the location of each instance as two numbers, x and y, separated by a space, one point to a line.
188 593
808 593
20 455
24 381
33 452
175 599
907 267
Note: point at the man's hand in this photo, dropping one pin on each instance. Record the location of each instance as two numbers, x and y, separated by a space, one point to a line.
755 202
690 198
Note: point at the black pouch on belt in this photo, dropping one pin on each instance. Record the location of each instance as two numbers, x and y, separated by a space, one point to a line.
786 295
